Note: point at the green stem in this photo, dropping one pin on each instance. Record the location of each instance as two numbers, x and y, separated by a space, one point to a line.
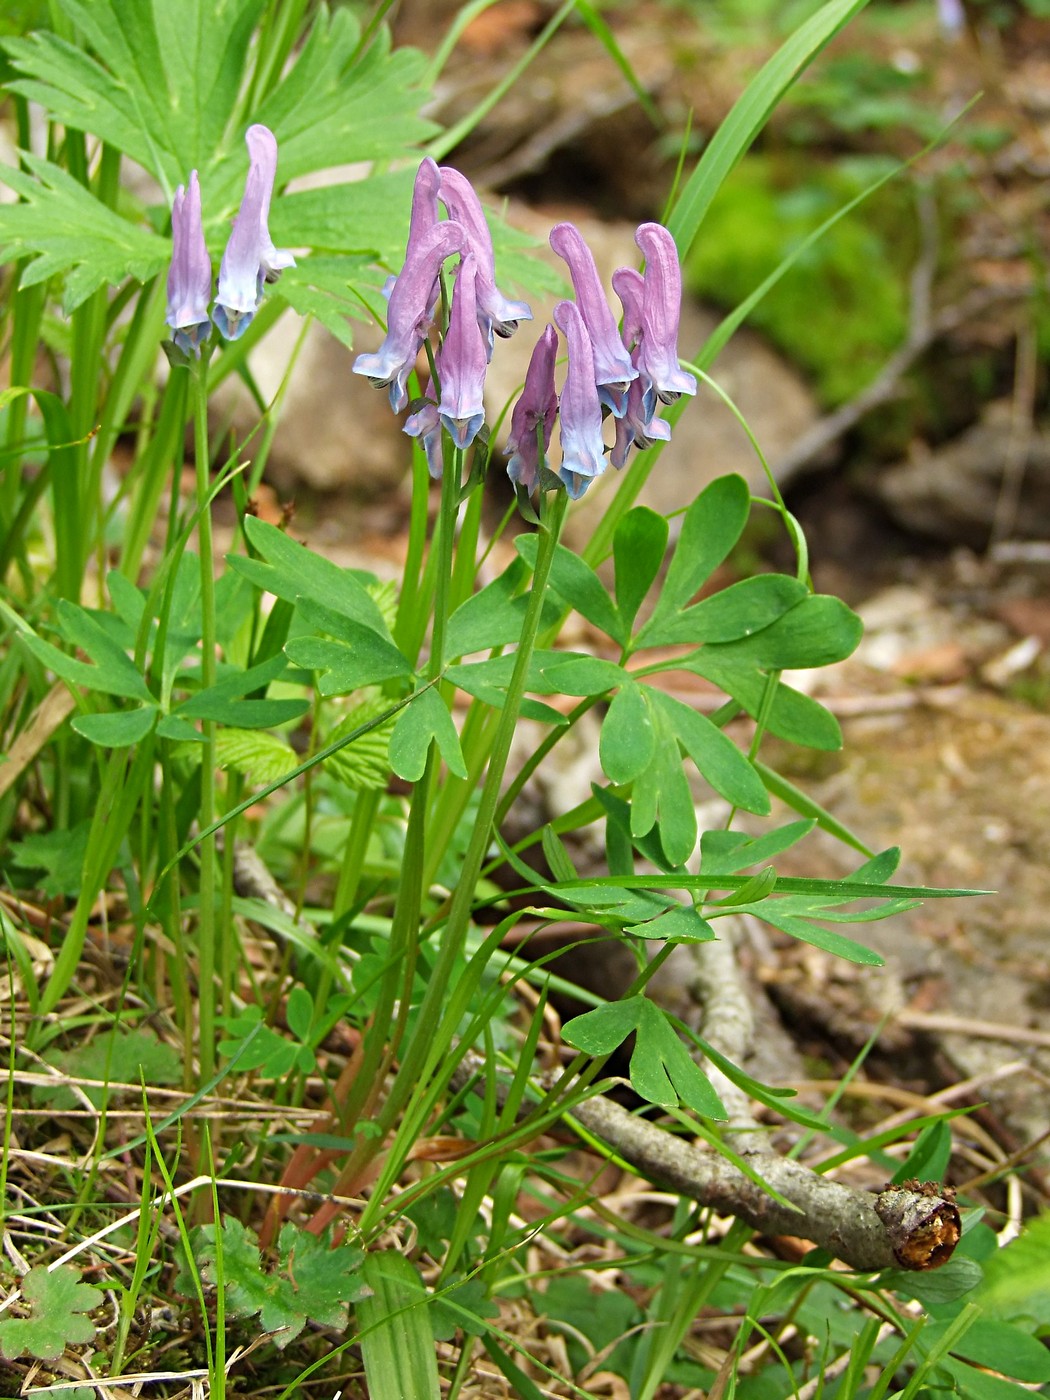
206 940
427 1047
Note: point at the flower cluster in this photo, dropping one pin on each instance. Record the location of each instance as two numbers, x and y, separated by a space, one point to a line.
625 372
248 264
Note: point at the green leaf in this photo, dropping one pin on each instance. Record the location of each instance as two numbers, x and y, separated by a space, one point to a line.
260 757
638 552
396 1338
114 673
117 729
424 721
490 618
59 227
579 585
312 1281
1017 1277
947 1284
299 1012
627 744
1001 1346
257 1046
808 932
661 795
662 1070
57 1304
978 1385
60 853
928 1158
578 675
291 571
116 1057
243 714
348 666
341 103
717 758
365 764
726 852
561 866
817 631
462 1308
600 1031
793 716
737 611
115 667
682 924
161 87
710 528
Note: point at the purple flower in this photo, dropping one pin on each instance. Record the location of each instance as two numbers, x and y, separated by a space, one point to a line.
582 448
629 286
409 312
497 315
639 427
424 215
425 425
189 276
951 16
612 363
661 309
250 260
535 408
462 362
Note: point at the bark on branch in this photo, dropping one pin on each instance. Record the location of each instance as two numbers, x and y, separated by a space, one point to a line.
898 1227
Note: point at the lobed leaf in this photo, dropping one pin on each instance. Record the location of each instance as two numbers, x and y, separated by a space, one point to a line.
57 1304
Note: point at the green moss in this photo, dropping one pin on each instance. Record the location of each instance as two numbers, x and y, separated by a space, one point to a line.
841 310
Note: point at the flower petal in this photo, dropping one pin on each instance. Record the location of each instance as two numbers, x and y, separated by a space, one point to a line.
612 362
462 362
497 314
582 448
536 408
409 312
661 310
189 276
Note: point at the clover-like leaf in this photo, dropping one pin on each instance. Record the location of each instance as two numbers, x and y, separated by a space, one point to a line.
57 1304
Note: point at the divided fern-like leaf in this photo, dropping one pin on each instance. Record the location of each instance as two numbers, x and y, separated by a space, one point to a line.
311 1281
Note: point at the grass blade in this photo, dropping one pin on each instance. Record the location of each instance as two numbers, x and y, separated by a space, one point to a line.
397 1341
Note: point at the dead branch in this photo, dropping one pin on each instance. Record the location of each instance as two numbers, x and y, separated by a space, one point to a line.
901 1228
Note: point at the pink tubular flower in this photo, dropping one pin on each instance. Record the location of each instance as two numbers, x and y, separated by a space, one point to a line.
661 311
462 362
189 276
250 260
612 364
497 314
582 448
424 215
409 312
536 408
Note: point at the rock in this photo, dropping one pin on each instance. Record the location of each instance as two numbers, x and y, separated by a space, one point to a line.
334 431
953 492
